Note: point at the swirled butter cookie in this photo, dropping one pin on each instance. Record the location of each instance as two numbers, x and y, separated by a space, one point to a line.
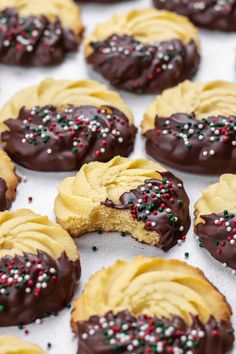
134 196
38 33
152 305
8 181
14 345
144 50
211 14
59 125
215 222
192 127
39 267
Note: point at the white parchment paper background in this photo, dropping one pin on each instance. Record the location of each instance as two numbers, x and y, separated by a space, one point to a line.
218 52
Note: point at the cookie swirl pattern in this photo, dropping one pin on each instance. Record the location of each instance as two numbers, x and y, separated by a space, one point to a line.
8 181
138 197
60 125
211 14
33 33
14 345
144 50
39 267
193 127
215 220
151 305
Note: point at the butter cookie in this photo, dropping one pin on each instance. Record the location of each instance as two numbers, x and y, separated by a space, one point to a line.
14 345
39 267
59 125
210 14
215 222
38 33
144 51
192 127
8 181
134 196
152 305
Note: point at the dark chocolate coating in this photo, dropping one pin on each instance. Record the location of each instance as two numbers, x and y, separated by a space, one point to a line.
45 139
159 202
218 236
211 14
33 41
206 146
19 273
142 68
4 202
145 334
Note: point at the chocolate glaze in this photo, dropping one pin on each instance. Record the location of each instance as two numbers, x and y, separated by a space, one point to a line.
71 137
33 41
164 200
142 68
213 337
17 305
218 235
4 202
206 146
212 14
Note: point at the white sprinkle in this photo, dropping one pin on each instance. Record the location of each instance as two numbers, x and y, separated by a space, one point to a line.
201 334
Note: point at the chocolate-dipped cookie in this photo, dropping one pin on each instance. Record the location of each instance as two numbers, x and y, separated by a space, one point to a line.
144 51
210 14
38 33
138 197
215 220
152 306
8 181
39 267
192 127
14 345
60 125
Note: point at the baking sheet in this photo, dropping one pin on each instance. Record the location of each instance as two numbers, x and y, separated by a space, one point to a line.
218 52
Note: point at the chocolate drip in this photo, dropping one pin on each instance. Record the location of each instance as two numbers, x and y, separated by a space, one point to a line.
45 139
218 235
4 202
211 14
33 41
199 146
125 333
34 286
142 68
163 207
